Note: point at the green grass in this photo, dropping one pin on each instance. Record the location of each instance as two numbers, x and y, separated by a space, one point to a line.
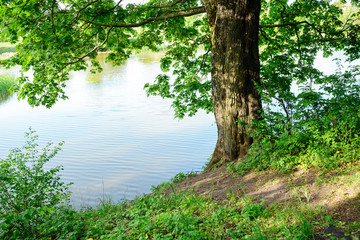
6 81
6 47
183 216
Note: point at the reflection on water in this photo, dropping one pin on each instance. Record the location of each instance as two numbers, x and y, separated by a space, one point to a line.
145 57
148 57
118 142
4 98
9 78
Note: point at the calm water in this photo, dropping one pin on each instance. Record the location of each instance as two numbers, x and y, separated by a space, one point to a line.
118 142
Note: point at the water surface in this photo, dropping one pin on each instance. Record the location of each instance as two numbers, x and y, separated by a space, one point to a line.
118 142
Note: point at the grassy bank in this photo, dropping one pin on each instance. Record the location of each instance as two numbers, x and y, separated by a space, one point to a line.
169 213
310 203
6 47
6 81
186 215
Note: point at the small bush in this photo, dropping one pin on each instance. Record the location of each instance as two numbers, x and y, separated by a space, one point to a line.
27 190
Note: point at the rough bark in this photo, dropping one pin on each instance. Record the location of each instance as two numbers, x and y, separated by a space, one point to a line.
234 26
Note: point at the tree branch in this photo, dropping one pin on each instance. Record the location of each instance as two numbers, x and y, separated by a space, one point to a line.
284 24
82 9
183 13
93 50
292 24
180 10
298 43
283 105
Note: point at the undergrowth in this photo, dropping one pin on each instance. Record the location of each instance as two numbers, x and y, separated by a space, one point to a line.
166 185
319 127
183 215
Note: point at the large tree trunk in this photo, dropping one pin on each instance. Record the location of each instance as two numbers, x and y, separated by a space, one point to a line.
234 26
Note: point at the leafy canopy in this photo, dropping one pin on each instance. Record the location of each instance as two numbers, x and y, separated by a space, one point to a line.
58 36
55 37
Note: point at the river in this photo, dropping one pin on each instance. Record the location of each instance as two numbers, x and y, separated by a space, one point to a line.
118 142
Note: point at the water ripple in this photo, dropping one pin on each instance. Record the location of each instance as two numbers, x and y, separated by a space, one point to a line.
118 142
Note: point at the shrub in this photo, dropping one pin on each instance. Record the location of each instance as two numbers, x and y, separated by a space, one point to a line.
316 128
27 190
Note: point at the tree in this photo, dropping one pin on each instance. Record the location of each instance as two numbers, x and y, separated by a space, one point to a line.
56 36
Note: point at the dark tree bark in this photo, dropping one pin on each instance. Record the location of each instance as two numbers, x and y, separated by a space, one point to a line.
235 72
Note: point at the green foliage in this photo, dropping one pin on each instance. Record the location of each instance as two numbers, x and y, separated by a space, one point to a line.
31 198
290 37
189 58
316 128
28 192
182 216
253 210
166 185
317 125
56 37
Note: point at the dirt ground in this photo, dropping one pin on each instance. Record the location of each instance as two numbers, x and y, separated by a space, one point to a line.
338 193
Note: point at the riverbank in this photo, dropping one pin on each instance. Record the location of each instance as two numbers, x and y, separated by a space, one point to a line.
303 203
220 204
6 82
6 47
